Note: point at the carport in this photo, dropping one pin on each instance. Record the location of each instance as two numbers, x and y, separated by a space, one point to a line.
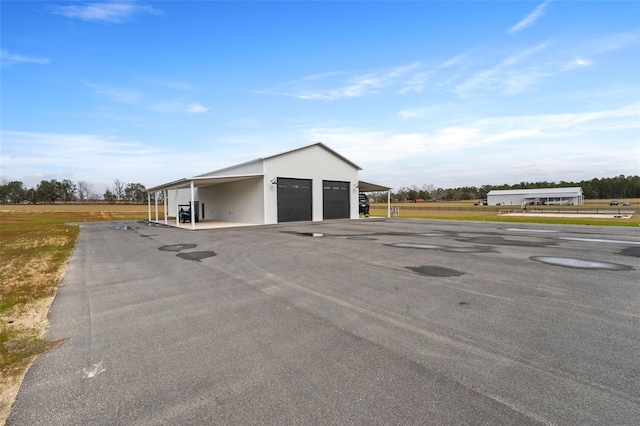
365 187
192 184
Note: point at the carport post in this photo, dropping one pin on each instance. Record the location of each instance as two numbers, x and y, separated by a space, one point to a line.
155 198
149 204
165 202
389 203
177 208
193 205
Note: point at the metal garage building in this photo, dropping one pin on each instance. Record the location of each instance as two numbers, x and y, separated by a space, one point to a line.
545 196
311 183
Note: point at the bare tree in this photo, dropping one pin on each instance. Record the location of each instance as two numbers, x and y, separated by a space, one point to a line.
118 189
85 191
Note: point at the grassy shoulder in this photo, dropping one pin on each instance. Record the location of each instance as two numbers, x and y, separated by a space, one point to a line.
35 246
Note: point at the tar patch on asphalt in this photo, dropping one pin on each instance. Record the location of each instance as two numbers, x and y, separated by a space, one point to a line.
631 251
196 255
435 271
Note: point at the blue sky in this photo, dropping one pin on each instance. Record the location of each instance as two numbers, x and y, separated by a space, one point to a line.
443 93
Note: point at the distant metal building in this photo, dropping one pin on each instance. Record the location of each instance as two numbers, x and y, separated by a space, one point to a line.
543 196
311 183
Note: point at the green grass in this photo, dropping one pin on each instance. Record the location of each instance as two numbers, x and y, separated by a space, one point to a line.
35 246
465 210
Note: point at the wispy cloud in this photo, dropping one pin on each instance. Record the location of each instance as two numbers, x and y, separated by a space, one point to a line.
116 12
151 101
509 76
475 133
466 75
32 156
341 85
495 150
15 58
197 109
118 94
530 19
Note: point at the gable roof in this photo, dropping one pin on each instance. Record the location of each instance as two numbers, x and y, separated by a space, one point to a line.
320 144
262 159
251 168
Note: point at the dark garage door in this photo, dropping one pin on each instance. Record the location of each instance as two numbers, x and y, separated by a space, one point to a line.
335 200
294 200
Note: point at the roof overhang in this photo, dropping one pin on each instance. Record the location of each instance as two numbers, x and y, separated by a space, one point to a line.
371 187
202 181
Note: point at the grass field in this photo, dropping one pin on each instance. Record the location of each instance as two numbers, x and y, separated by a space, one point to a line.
466 210
35 245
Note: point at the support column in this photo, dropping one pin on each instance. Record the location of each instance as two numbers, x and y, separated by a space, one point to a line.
389 203
149 204
193 206
155 198
177 209
165 205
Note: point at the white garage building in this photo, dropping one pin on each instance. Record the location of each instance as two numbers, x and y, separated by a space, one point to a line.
311 183
545 196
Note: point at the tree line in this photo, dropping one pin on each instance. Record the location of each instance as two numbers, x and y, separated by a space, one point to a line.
603 188
65 191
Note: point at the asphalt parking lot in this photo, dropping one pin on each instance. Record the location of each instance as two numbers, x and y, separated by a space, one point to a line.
379 321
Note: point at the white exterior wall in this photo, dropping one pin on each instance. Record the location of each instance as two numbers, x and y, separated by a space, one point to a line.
505 200
315 163
184 197
240 201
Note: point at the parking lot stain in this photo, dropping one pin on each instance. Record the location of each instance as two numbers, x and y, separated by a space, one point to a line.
362 238
153 224
499 241
177 247
435 271
305 234
570 262
474 249
420 234
196 255
124 228
631 251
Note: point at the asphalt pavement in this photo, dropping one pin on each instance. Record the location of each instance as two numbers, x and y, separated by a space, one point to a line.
375 321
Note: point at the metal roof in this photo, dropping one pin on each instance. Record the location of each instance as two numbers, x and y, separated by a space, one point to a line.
538 191
201 181
206 179
371 187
